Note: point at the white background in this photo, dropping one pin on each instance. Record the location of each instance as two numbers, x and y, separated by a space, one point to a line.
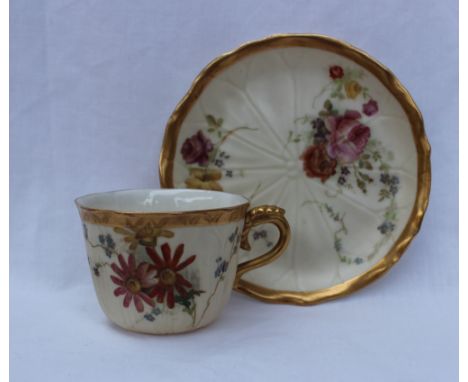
92 86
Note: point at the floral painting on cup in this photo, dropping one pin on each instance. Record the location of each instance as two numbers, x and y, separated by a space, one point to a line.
148 275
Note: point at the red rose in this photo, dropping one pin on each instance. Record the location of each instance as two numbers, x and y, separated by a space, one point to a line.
336 71
196 148
317 163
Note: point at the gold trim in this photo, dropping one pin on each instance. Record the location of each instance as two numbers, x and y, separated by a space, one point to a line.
257 216
164 219
393 85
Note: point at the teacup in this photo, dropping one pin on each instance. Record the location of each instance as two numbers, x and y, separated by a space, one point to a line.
166 261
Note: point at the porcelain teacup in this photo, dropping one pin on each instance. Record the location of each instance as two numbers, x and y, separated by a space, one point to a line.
166 261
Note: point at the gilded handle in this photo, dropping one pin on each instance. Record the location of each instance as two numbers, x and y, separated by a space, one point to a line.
263 215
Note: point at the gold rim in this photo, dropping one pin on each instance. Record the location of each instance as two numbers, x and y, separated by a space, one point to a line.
388 79
164 219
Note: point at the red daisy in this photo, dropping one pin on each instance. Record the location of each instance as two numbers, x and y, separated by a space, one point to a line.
169 278
133 281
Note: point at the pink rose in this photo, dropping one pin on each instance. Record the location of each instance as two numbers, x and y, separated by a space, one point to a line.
370 108
348 137
196 148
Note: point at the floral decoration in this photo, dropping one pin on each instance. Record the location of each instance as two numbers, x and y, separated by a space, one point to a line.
204 179
202 151
157 281
370 108
142 232
262 234
108 244
338 147
196 149
318 163
170 280
134 282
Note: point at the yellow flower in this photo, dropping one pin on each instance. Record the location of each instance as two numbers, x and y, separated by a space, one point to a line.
353 89
204 179
142 232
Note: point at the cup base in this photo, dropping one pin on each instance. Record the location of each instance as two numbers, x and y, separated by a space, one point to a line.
166 333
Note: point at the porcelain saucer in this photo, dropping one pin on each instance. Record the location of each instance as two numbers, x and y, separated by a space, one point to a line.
318 127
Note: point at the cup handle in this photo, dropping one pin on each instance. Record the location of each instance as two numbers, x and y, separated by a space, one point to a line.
263 215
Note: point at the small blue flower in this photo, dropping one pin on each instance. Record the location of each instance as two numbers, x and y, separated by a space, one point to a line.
393 189
341 180
110 241
149 317
394 180
229 173
345 170
386 227
260 234
102 239
385 178
219 163
225 266
358 260
221 268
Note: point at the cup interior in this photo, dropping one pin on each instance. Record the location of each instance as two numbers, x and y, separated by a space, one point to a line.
154 201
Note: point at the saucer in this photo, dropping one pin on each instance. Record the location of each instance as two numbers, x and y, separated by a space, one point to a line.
321 129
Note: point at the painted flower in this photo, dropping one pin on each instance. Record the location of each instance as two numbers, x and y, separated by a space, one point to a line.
205 179
133 282
196 149
320 131
317 163
169 278
143 232
386 227
348 137
336 71
370 108
352 89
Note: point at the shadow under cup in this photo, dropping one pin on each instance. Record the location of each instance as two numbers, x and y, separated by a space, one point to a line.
165 261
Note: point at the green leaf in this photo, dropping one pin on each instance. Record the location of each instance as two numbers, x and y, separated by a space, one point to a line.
362 185
367 165
384 167
328 105
384 194
211 120
365 177
376 155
